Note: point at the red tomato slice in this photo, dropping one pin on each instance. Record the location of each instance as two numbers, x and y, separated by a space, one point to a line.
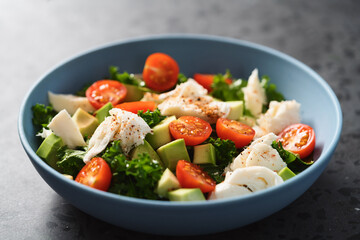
134 107
206 80
104 91
192 129
96 174
160 72
241 134
299 139
192 176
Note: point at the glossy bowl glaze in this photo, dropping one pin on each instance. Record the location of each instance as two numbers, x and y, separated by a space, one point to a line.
194 53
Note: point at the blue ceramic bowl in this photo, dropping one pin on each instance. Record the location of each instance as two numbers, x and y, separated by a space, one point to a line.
194 53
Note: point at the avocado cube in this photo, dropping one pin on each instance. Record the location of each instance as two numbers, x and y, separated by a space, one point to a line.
134 93
286 173
236 110
103 112
167 182
204 154
172 152
86 122
186 194
49 148
145 148
161 133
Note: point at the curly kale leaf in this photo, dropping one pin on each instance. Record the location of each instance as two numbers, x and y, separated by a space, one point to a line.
42 115
114 156
227 92
151 118
71 161
124 77
292 160
135 178
225 151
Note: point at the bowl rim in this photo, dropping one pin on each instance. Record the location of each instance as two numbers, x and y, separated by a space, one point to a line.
323 159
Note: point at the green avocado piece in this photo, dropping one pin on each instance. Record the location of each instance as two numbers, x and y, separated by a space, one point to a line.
86 122
286 173
161 133
172 152
103 112
48 150
134 93
204 154
236 110
186 194
145 148
167 182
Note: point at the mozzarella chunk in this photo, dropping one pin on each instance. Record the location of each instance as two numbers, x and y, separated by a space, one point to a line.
190 99
255 178
244 181
254 94
190 88
121 125
201 107
278 116
64 127
260 153
266 156
226 190
69 102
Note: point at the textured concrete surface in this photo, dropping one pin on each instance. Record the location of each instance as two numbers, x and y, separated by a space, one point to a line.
36 35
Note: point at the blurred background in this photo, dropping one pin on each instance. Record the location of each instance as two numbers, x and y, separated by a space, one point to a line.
36 35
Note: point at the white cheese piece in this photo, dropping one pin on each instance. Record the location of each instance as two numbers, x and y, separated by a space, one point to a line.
244 181
190 88
69 102
121 125
266 156
255 178
279 115
260 153
64 127
226 190
101 138
201 107
190 99
254 94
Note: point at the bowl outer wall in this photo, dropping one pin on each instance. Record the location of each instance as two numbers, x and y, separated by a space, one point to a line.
320 109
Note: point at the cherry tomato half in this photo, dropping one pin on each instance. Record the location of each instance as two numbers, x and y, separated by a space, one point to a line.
96 174
104 91
299 139
160 72
192 176
206 80
192 129
241 134
134 107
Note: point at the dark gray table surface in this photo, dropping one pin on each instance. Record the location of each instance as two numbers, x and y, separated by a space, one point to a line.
36 35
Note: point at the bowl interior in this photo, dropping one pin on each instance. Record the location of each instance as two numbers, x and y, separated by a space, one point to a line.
319 106
204 54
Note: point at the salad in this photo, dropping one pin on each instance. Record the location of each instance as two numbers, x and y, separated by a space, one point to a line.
162 135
